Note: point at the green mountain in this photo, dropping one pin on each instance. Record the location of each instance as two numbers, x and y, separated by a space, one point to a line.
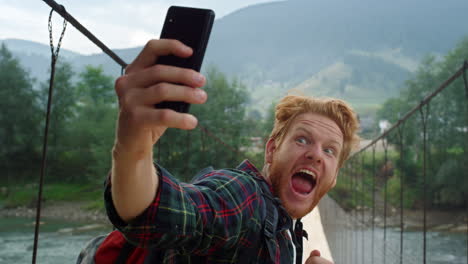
359 50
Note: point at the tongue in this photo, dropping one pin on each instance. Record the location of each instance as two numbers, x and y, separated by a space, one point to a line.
301 185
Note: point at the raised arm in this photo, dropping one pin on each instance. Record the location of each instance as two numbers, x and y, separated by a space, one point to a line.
140 124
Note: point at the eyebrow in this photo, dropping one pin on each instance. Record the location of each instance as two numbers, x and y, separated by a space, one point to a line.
308 132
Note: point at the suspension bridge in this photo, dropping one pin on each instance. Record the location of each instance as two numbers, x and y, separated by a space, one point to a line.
366 220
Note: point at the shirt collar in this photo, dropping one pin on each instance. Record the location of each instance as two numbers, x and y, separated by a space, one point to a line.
248 167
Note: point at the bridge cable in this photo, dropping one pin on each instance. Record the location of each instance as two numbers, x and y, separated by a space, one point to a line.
465 68
362 207
353 212
61 10
399 125
350 234
54 57
373 201
356 213
424 117
385 166
465 64
210 134
425 101
400 142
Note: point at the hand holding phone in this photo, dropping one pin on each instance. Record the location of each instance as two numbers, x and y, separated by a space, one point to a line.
191 26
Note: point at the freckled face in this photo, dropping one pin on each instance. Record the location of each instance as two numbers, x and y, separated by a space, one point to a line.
304 167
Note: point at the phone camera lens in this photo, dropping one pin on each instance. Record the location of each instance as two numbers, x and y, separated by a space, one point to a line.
171 20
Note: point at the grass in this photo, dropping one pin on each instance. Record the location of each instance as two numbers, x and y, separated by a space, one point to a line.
17 195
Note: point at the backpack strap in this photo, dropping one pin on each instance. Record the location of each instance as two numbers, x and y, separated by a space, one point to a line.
125 253
272 219
270 225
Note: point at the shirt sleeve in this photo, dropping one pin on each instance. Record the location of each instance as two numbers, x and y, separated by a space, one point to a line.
218 211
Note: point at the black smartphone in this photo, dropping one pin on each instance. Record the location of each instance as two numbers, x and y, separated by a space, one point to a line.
192 26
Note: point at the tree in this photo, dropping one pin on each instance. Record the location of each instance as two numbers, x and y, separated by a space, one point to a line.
94 125
447 125
82 125
19 118
61 114
221 133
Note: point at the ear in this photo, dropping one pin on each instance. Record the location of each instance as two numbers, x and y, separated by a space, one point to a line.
269 150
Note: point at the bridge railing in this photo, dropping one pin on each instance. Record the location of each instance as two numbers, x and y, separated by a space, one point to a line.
403 197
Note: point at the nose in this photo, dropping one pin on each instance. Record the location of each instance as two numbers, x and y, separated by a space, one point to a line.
315 154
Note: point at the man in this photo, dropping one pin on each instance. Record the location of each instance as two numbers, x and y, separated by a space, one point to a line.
224 216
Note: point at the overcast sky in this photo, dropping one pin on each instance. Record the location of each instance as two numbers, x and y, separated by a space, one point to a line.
117 23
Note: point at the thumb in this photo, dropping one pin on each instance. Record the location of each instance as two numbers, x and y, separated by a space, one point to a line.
315 253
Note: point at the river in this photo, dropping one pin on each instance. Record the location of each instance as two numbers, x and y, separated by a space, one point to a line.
441 247
60 242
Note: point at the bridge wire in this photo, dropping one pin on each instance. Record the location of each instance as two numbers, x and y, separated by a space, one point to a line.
385 145
350 234
351 240
210 134
400 141
424 117
460 71
465 64
356 199
373 200
54 57
187 152
202 139
362 206
356 213
61 10
353 212
465 81
352 221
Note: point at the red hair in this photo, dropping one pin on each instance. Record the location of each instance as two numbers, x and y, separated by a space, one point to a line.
337 110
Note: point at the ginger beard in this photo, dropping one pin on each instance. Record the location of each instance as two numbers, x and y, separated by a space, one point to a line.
281 183
305 166
278 182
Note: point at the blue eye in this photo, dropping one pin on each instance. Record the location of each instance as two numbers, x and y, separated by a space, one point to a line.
302 140
330 151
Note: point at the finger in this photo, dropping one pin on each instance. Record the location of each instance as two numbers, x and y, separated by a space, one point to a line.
315 253
317 260
168 118
164 73
156 48
171 92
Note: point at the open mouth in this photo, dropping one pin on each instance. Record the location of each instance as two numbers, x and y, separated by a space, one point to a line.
304 181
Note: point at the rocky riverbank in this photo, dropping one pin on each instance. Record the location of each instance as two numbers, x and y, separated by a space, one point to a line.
71 211
448 221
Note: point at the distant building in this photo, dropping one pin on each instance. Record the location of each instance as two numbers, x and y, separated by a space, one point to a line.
384 125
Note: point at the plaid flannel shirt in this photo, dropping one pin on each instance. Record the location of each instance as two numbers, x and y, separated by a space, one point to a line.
218 218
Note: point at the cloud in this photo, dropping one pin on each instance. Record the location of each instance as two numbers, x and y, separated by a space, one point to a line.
17 22
117 23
